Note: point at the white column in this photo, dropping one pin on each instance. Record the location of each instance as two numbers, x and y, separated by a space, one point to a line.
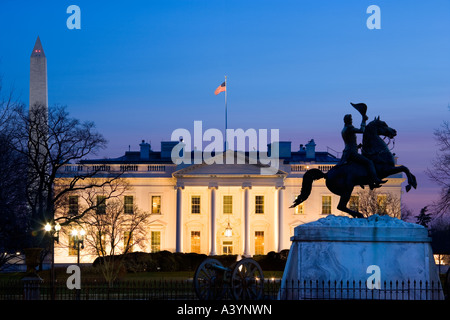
213 220
179 229
246 221
281 234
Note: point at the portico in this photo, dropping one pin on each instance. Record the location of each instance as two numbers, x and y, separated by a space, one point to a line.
211 197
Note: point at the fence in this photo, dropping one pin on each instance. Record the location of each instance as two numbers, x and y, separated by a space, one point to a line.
183 290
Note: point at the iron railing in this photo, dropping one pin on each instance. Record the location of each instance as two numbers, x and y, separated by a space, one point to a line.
184 290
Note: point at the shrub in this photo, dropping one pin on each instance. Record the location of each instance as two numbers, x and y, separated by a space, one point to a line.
166 261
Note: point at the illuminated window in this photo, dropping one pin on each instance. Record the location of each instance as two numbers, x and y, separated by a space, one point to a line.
381 203
227 204
156 241
227 247
101 204
259 242
195 205
353 203
326 204
300 209
259 204
128 207
156 204
73 205
195 241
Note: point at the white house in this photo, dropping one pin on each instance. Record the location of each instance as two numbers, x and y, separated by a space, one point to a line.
192 206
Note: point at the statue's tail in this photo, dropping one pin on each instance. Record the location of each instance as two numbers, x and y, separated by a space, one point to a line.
308 178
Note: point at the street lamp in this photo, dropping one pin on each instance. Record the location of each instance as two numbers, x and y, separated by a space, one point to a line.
53 230
78 240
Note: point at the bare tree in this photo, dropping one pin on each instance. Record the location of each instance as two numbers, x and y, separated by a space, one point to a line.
49 140
113 232
13 210
372 202
440 172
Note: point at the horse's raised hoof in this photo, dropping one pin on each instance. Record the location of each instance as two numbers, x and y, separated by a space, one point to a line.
408 187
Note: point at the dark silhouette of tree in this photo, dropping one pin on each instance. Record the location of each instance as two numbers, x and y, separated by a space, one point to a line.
47 142
424 218
13 209
440 172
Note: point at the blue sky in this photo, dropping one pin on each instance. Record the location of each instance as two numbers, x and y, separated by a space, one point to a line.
141 69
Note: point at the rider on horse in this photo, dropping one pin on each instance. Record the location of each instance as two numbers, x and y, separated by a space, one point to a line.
350 153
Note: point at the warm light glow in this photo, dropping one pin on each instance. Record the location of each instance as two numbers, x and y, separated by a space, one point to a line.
57 227
228 231
74 232
48 227
82 232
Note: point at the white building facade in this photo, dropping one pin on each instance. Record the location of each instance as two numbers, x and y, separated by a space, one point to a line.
192 206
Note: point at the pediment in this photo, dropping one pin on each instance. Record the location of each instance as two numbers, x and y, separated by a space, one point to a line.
230 163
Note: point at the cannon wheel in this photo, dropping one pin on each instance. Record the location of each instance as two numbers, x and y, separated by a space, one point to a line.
208 281
247 280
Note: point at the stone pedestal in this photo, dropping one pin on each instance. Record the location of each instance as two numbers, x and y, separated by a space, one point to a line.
375 258
32 282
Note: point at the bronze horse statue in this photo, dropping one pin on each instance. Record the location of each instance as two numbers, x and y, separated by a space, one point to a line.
342 178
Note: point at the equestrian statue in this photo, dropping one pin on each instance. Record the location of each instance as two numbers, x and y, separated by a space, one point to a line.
374 163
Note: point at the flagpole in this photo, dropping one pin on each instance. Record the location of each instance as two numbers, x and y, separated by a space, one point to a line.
226 115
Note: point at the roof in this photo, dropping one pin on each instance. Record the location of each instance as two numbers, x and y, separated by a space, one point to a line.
147 156
131 157
155 157
321 156
38 50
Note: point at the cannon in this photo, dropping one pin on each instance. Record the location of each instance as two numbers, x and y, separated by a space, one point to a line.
243 280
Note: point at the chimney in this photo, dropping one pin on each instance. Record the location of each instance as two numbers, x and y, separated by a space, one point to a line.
311 150
145 150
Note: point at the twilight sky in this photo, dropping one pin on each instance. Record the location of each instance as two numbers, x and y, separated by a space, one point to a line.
141 69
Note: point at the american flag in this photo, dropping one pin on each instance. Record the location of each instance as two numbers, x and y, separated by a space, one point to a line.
222 87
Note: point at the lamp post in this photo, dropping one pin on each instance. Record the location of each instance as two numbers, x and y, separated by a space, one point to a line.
53 230
78 240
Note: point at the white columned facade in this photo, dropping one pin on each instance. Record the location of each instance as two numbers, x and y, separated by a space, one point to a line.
212 189
280 218
246 188
179 228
